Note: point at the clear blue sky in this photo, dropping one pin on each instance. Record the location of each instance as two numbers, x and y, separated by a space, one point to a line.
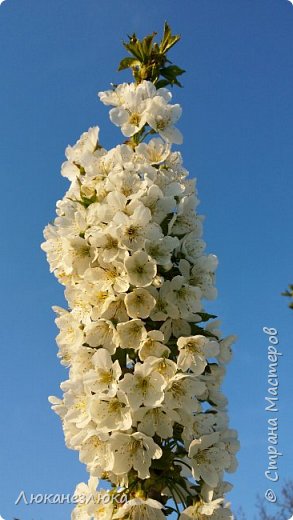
238 127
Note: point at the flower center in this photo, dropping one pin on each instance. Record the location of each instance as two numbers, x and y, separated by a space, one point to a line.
177 390
106 376
112 243
115 406
134 119
132 231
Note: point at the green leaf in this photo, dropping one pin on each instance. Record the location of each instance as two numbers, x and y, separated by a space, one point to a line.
203 332
286 293
205 316
128 62
87 202
168 510
133 48
140 50
171 74
162 83
168 40
164 224
167 32
172 70
166 35
120 354
147 44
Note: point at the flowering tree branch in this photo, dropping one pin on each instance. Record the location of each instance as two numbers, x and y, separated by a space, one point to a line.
142 404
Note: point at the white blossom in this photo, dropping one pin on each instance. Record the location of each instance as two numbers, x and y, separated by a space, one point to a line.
141 269
194 351
95 452
111 413
102 333
153 345
77 403
87 143
204 511
71 335
131 333
145 386
135 451
162 117
103 378
185 297
133 230
161 250
208 458
103 507
182 391
154 152
165 308
159 420
141 509
139 303
84 492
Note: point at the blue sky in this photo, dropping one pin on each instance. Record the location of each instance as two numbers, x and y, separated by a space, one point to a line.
238 128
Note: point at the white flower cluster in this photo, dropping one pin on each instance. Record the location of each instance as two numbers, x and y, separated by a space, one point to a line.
142 404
